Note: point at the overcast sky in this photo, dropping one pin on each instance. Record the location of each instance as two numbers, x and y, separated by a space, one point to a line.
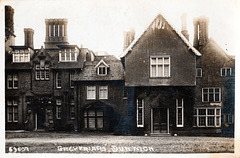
99 24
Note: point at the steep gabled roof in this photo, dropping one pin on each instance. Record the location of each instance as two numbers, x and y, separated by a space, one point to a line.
102 62
212 50
41 52
129 48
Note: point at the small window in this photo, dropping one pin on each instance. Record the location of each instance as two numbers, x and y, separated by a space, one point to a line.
12 81
58 80
199 72
211 94
140 113
102 70
42 71
103 92
179 113
72 109
68 55
226 71
160 66
91 92
12 110
71 79
58 108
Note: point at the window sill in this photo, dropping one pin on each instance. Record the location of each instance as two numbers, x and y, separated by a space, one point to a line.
67 61
178 126
90 99
160 77
19 62
207 126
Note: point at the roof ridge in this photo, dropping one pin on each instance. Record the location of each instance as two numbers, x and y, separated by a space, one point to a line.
195 51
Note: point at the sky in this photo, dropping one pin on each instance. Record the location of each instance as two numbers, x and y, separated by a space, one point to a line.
99 24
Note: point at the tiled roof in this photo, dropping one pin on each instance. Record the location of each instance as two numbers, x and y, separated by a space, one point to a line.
19 47
89 72
129 48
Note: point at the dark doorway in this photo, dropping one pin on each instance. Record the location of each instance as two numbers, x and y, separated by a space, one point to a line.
40 118
160 120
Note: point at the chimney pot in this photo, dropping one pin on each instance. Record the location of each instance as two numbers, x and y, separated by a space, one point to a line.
28 32
184 25
129 36
200 31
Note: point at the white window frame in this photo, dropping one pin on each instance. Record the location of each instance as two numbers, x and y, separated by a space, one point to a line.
13 105
182 110
102 94
49 33
100 72
42 71
158 64
137 114
54 30
72 109
91 92
15 79
21 56
225 71
58 108
214 94
58 80
70 79
12 78
63 33
197 115
199 69
64 54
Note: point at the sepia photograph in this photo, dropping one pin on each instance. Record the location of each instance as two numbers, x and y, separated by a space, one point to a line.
129 78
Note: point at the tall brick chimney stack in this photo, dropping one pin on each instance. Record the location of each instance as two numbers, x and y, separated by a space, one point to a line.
203 30
28 34
200 31
129 36
184 25
56 32
9 28
195 38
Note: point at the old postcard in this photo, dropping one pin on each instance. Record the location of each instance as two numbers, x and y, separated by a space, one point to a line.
84 78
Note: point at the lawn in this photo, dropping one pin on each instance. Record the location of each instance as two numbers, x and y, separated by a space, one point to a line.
42 142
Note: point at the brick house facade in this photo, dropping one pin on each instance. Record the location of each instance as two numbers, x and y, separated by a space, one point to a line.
99 91
175 88
161 86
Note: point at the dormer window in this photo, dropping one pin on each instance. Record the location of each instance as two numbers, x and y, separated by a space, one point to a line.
102 68
21 56
69 55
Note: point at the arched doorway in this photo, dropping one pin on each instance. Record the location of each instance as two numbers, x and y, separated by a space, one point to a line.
97 116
